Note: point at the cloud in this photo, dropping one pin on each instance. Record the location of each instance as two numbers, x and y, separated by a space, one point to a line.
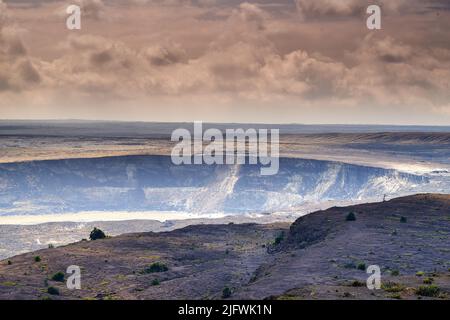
327 8
251 56
93 9
17 72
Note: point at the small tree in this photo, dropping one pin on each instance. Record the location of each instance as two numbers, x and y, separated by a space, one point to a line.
37 259
97 234
403 220
350 217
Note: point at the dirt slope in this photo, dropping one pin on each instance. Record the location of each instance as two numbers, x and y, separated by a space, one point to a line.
320 256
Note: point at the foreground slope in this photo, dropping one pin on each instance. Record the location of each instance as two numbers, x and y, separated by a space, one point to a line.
321 255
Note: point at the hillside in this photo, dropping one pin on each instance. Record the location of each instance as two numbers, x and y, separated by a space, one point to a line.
318 257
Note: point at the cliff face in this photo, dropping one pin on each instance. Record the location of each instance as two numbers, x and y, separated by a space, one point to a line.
153 183
319 256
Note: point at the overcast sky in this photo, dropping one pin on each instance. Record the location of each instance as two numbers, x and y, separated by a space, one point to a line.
285 61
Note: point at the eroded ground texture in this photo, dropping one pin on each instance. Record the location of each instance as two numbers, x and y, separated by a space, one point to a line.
320 256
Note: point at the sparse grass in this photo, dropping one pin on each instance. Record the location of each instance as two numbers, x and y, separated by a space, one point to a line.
59 277
350 265
226 293
357 283
428 291
53 291
279 238
347 295
395 296
156 267
350 217
392 287
395 273
9 284
37 259
428 280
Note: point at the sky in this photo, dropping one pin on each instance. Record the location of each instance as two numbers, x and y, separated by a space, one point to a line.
263 61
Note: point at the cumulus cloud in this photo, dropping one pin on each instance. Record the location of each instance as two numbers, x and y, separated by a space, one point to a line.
236 60
17 72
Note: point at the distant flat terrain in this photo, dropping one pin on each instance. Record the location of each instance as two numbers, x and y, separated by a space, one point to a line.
407 148
320 256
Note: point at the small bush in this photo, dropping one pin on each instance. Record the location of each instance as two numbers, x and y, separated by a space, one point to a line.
392 287
361 266
59 276
9 262
51 246
97 234
37 259
357 283
395 273
226 292
156 267
155 282
53 291
350 217
428 280
420 273
403 220
428 291
279 238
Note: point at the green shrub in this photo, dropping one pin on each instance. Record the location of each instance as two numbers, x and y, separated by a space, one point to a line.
53 291
428 280
357 283
392 287
361 266
59 276
279 238
226 292
403 219
156 267
97 234
428 291
155 282
395 273
350 217
420 273
37 259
